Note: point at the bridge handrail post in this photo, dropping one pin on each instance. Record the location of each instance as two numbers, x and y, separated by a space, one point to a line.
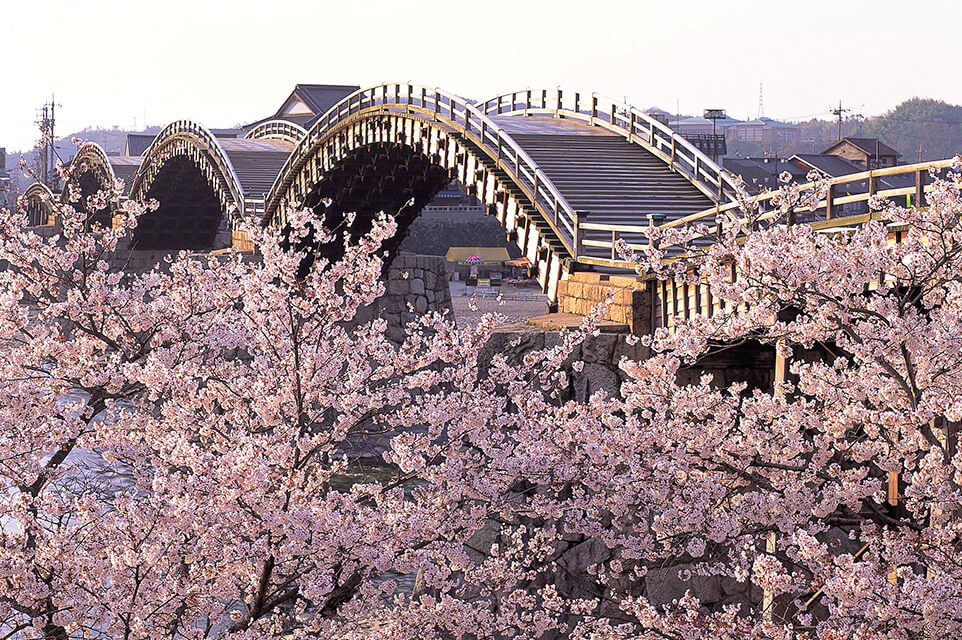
580 218
594 108
920 188
828 201
557 106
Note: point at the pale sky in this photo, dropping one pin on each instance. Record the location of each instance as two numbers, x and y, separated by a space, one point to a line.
224 62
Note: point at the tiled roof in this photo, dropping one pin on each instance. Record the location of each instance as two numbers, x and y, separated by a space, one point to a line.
316 97
832 166
256 162
867 145
137 143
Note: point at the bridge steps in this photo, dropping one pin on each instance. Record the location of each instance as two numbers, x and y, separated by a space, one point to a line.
615 181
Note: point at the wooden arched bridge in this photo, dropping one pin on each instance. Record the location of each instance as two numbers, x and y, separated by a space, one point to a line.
567 174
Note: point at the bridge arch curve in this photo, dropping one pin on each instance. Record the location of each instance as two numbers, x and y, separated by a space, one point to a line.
38 199
189 173
91 172
277 130
398 144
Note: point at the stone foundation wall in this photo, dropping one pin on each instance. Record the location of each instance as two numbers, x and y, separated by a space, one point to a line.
415 285
433 232
601 354
632 299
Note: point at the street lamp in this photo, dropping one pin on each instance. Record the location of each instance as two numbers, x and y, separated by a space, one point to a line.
714 115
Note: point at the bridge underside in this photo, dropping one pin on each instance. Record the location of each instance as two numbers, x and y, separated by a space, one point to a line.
189 216
38 212
378 177
88 183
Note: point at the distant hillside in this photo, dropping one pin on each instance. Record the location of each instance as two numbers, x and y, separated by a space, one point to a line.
933 124
112 140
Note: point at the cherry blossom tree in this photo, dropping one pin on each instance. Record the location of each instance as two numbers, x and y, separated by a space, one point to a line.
186 453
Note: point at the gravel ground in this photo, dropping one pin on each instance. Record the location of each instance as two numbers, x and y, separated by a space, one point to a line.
516 304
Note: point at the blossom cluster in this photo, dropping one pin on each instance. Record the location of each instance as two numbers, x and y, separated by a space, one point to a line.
226 447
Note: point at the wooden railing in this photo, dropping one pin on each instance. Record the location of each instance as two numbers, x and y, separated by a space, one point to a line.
94 153
200 137
834 209
277 130
623 119
469 122
845 204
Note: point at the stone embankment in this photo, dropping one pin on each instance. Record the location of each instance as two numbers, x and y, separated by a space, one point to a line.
415 285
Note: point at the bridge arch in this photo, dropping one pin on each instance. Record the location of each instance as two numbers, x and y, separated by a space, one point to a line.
397 145
188 172
38 201
92 172
277 130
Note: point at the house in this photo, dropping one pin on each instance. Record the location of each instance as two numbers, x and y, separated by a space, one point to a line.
831 166
137 143
761 174
308 102
865 153
769 133
697 124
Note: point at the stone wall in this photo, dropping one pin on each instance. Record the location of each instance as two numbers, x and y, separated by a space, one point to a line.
433 232
752 363
415 285
632 299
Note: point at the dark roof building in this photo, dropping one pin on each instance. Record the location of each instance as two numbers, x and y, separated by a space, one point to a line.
829 165
865 153
308 102
137 143
760 174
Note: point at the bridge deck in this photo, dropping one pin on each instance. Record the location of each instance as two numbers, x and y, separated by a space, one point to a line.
615 181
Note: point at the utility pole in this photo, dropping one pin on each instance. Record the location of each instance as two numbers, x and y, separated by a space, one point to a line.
838 112
48 123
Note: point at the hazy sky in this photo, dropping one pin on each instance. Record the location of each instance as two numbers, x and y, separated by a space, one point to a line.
224 62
